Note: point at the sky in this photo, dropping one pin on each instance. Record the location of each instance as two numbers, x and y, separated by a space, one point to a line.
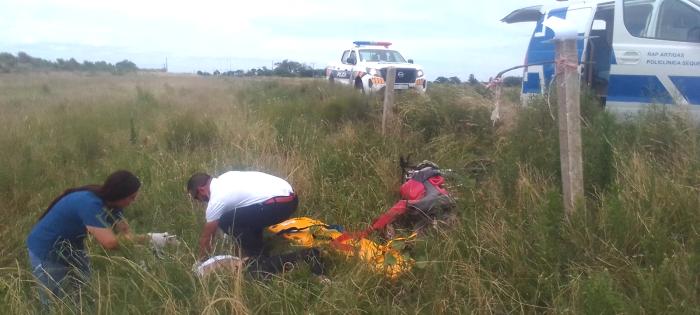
448 38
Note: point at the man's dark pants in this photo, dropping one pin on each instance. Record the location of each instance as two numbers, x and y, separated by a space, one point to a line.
246 224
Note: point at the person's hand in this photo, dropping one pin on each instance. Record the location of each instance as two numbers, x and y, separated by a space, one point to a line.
160 240
197 270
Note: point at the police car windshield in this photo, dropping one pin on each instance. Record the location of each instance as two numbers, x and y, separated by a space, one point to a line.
380 55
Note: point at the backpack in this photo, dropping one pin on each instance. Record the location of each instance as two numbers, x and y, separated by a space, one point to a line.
424 202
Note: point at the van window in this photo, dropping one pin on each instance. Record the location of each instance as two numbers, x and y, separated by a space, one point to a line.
678 21
344 58
598 25
637 16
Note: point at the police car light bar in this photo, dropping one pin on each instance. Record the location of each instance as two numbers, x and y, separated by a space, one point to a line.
368 43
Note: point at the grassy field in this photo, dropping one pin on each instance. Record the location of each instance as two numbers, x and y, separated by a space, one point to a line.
634 248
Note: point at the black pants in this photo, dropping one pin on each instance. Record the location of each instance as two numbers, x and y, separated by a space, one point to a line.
246 224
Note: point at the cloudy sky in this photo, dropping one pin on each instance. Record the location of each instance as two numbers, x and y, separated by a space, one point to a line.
449 38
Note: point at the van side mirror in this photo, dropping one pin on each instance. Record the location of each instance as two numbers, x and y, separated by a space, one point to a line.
352 60
410 60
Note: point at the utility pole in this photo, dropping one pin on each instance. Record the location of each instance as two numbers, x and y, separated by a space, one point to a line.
568 99
388 115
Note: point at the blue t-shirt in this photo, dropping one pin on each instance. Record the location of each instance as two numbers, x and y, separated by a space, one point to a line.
61 232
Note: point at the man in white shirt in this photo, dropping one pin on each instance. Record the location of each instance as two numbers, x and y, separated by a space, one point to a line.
241 204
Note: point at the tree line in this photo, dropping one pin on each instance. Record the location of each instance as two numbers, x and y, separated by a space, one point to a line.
290 68
23 62
285 68
509 81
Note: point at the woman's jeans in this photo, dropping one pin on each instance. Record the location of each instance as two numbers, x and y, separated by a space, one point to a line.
59 279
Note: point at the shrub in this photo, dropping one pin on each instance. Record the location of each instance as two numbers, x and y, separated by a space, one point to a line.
600 296
145 97
347 109
445 112
534 141
189 131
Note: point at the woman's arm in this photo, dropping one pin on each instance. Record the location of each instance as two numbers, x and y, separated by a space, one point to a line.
122 228
104 236
109 240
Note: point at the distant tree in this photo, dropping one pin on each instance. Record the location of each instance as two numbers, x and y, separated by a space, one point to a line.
88 66
125 66
512 81
7 62
306 72
289 68
441 80
264 71
473 80
23 57
319 72
455 80
104 66
282 69
72 65
8 58
216 72
25 62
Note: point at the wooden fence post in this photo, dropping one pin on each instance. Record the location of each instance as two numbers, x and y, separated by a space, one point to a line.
568 98
388 115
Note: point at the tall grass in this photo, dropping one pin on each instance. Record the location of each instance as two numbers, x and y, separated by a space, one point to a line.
634 248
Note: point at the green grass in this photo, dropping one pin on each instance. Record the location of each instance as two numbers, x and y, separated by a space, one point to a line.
635 248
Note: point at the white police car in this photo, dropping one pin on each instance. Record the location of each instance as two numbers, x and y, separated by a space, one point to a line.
365 66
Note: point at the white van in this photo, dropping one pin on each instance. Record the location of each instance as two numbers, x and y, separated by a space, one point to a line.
632 53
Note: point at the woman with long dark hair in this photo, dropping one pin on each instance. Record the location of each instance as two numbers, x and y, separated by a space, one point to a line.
56 243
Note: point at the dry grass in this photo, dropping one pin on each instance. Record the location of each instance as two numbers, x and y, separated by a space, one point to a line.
633 250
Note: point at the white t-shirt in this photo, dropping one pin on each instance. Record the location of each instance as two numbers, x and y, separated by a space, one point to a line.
235 189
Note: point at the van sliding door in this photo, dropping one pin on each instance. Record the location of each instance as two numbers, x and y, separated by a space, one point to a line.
596 68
